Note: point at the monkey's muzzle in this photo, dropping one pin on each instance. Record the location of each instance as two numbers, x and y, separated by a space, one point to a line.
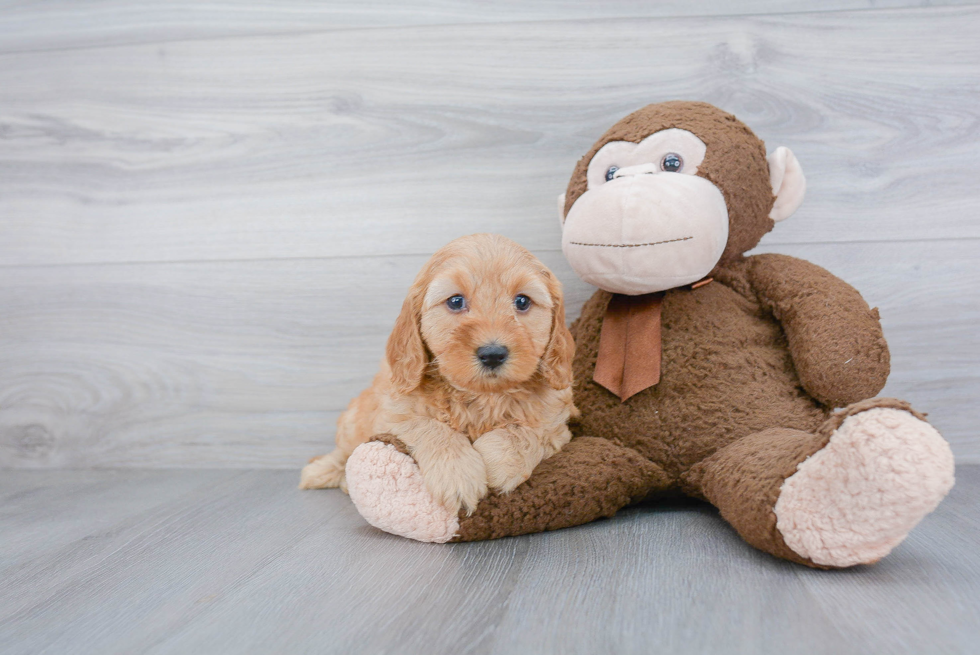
646 232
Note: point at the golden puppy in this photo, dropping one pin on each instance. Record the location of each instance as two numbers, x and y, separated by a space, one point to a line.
477 376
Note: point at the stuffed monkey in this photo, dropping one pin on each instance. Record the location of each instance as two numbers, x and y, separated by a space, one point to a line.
703 371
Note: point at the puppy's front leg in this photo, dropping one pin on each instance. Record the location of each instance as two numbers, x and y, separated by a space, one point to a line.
512 453
453 471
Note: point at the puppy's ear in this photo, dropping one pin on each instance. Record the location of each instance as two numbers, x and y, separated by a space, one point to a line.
405 351
556 364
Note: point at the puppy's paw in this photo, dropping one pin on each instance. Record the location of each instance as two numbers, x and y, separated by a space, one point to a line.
324 472
456 481
507 466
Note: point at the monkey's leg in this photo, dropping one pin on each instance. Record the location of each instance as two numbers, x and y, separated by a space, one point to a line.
743 481
588 479
846 495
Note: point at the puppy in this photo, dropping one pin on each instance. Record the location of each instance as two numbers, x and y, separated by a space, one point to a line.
477 378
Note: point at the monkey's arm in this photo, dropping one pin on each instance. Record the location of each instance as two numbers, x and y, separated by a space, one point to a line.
835 339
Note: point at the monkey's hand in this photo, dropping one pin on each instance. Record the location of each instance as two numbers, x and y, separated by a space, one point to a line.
835 339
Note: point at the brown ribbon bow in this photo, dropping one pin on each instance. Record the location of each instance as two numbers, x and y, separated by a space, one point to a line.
629 344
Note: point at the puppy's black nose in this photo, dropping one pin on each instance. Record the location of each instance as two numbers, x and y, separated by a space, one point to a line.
492 356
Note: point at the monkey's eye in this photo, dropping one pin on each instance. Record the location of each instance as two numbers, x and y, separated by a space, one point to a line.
456 303
522 303
671 163
611 172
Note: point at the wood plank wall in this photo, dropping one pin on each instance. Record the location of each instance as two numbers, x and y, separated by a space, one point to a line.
209 214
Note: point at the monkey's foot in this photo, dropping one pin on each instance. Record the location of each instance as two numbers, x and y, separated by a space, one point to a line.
387 488
857 498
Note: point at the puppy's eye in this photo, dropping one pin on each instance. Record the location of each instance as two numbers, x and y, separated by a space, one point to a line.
611 172
522 303
456 303
671 163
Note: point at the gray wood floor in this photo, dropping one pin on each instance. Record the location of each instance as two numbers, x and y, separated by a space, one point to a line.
210 212
132 561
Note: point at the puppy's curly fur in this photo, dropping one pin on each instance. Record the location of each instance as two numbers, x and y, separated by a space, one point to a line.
470 426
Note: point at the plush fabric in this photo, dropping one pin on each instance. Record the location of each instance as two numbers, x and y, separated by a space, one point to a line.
788 183
593 479
870 473
735 162
629 345
605 241
628 154
752 369
836 342
388 490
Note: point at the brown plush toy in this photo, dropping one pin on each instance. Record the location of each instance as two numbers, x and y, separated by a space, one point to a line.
702 371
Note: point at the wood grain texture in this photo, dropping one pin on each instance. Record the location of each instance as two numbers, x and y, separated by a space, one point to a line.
77 504
380 142
38 25
855 609
209 214
248 364
243 562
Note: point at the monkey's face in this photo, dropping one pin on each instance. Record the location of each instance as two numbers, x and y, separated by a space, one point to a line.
647 221
669 192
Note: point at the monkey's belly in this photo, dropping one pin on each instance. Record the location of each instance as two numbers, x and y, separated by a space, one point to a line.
726 373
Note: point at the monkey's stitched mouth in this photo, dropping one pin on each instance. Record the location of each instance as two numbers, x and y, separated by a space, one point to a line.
626 245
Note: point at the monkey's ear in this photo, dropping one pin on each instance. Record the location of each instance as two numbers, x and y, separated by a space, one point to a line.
788 183
561 209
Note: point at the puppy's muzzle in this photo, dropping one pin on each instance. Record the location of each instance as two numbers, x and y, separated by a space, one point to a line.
492 356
